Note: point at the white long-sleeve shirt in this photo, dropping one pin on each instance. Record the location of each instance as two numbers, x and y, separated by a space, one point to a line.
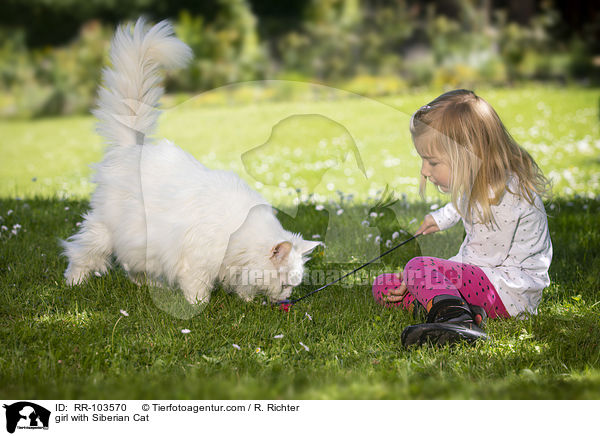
515 255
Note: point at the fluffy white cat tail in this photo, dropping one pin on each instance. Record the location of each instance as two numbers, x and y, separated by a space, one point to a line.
129 97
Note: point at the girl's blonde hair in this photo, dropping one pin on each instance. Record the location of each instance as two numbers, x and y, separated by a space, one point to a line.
467 134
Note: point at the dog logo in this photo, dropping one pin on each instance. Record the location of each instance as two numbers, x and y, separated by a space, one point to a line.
26 415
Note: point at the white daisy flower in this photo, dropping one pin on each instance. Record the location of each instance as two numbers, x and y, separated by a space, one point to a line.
185 331
365 223
373 214
236 346
377 239
97 274
305 347
277 336
319 207
340 211
308 316
388 243
395 235
434 206
124 313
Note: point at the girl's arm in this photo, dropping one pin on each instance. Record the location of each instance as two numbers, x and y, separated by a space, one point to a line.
445 217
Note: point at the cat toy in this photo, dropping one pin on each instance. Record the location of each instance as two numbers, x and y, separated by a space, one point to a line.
286 305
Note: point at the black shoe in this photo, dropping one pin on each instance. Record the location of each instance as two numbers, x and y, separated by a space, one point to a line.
441 333
450 320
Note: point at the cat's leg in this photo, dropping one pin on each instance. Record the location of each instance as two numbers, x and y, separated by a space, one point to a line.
137 278
88 250
196 286
141 279
245 292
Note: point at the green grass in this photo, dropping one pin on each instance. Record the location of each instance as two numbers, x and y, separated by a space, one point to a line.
62 342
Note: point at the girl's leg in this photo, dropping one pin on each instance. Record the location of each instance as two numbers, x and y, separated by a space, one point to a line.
446 289
428 277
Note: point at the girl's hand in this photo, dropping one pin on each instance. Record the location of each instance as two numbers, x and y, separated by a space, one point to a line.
428 226
395 295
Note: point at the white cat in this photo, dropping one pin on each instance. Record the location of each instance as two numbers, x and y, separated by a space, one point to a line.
160 212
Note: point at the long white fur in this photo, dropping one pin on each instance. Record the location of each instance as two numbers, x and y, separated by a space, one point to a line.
159 211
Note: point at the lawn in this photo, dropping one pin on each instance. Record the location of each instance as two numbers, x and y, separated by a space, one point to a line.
61 342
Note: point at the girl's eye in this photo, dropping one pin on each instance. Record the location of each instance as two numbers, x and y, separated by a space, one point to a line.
433 163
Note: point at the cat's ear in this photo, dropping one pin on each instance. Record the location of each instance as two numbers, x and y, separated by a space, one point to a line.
280 252
307 246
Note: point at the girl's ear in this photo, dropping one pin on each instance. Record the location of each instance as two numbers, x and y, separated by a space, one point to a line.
307 246
280 252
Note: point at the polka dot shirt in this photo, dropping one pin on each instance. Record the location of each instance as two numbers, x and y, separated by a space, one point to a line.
515 254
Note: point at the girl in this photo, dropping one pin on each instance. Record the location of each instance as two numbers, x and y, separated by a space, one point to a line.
495 188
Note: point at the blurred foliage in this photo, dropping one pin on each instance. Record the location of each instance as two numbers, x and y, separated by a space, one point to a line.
370 47
52 81
342 39
227 50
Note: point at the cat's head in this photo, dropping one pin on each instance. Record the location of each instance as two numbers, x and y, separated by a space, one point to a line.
287 259
262 257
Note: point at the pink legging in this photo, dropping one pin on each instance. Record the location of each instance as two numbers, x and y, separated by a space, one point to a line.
427 277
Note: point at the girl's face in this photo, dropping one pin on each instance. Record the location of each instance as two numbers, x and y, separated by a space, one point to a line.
435 169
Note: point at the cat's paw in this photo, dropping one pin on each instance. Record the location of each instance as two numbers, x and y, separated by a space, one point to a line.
75 276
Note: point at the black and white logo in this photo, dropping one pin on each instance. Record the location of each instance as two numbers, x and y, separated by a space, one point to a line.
26 415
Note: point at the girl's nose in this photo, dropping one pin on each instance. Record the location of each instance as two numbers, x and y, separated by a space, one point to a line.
424 170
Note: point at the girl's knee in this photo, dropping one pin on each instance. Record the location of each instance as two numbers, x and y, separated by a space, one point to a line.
416 263
385 280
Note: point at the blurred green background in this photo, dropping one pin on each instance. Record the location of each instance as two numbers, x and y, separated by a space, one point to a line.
52 51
